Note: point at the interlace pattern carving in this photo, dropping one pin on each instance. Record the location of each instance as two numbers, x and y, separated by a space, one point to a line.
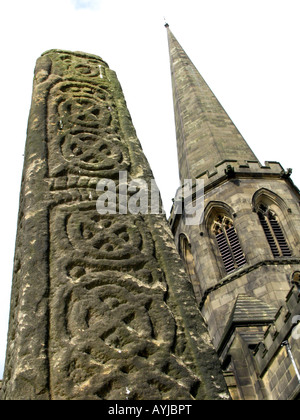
97 297
112 335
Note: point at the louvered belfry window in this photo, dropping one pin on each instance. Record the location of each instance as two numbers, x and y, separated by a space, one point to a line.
273 232
228 243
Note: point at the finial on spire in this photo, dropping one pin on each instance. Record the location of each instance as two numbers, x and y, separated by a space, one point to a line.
166 23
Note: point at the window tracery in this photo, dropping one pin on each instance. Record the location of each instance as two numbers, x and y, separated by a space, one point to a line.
228 243
273 232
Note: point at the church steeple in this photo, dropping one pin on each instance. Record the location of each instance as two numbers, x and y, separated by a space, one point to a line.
206 136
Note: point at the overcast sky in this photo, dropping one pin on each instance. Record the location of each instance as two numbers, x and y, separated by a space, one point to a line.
247 50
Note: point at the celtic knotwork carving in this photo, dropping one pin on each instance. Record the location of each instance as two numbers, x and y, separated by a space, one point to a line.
83 230
88 151
80 66
112 327
109 308
84 111
101 308
83 131
81 89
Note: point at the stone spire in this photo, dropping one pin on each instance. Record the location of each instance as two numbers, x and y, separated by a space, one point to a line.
206 136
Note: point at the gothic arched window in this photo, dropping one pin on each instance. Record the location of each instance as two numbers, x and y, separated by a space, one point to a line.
273 232
228 243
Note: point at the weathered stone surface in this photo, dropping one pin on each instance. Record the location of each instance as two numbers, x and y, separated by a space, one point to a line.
101 305
206 136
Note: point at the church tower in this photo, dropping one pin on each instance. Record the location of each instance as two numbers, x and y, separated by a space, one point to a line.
245 255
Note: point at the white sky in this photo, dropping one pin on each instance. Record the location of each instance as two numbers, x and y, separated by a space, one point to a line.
247 50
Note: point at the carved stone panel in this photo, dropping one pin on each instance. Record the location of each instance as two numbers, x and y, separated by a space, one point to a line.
101 305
